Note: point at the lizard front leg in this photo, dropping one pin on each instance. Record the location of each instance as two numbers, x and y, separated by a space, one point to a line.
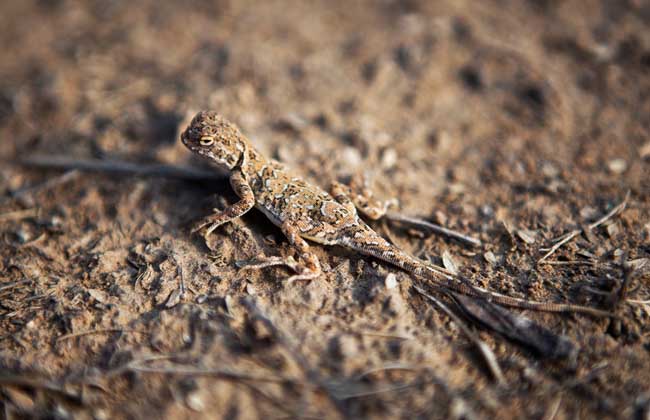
356 195
243 190
309 266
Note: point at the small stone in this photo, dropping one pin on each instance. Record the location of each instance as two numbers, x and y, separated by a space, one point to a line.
448 262
549 170
293 122
588 212
391 281
490 257
100 414
174 298
349 346
351 157
229 303
195 402
617 166
388 158
160 218
487 210
456 188
98 295
612 229
250 289
23 236
586 254
440 218
527 236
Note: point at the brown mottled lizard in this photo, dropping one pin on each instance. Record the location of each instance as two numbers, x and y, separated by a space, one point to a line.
305 212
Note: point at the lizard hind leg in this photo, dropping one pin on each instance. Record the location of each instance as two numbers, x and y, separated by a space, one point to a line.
308 268
357 196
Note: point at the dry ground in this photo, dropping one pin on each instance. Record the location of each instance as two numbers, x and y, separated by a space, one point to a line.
513 121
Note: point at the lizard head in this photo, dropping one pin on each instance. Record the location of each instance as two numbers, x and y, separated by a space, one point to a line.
212 136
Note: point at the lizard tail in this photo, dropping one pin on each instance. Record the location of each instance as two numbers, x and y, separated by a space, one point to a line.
365 241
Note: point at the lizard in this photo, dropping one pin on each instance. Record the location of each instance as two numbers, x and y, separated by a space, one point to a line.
305 212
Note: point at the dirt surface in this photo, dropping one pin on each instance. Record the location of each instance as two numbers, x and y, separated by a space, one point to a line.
511 121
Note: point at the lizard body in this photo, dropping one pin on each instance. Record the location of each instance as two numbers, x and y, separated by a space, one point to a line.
306 212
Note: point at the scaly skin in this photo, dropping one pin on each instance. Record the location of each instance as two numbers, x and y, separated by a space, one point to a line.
305 212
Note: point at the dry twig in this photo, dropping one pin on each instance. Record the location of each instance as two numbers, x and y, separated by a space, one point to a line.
120 167
423 224
489 356
569 236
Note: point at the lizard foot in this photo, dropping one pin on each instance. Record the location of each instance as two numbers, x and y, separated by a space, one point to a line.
357 194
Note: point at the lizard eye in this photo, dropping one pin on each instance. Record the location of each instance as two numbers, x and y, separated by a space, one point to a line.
206 141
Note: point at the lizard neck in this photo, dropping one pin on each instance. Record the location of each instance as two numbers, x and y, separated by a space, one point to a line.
252 161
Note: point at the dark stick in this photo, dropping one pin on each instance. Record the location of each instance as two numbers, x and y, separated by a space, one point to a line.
120 167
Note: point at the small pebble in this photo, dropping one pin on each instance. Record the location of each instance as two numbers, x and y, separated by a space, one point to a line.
490 257
440 218
617 166
351 157
388 158
229 303
588 212
391 281
100 414
250 289
487 211
549 170
527 236
612 229
98 295
195 402
23 236
448 262
174 298
456 188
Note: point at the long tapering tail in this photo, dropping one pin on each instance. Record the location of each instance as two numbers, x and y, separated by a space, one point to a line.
366 241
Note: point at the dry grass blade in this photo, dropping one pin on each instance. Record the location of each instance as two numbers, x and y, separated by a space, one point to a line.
11 285
487 353
374 391
423 224
638 302
554 408
569 236
385 368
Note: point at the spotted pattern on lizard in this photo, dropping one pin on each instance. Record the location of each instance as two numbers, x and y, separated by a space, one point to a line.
305 212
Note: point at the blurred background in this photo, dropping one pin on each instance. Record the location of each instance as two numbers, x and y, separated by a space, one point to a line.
479 115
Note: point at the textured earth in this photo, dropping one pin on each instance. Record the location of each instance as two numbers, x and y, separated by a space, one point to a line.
514 122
